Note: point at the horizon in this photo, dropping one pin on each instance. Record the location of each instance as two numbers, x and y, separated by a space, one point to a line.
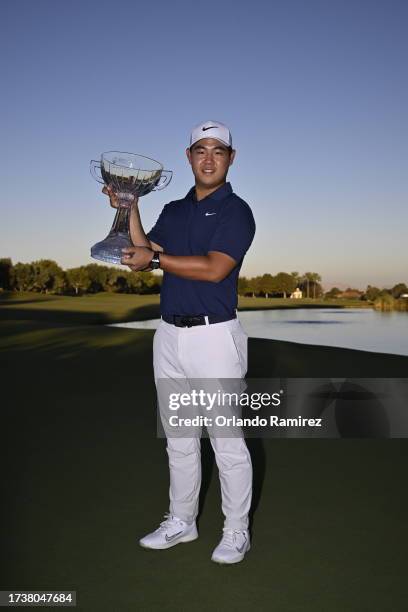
326 285
315 96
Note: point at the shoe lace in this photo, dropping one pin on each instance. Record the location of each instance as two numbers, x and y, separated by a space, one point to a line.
229 537
168 522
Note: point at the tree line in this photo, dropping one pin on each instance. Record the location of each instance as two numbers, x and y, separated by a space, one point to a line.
372 293
46 276
281 284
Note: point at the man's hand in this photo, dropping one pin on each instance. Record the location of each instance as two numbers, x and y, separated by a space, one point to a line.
113 198
137 258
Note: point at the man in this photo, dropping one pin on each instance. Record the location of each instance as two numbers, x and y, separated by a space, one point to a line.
199 242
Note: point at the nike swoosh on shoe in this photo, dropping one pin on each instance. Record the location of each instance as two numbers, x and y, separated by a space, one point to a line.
170 538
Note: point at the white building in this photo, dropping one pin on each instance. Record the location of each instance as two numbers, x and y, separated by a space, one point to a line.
296 295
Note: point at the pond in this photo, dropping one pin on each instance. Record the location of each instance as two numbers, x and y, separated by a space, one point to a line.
362 329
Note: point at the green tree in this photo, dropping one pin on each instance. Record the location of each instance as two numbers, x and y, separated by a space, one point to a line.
6 273
297 278
371 293
334 292
243 285
78 279
254 285
398 290
315 279
60 283
305 283
284 283
384 301
47 275
266 284
117 280
23 276
310 284
151 283
135 283
98 275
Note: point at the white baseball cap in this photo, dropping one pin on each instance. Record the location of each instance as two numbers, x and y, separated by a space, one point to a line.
211 129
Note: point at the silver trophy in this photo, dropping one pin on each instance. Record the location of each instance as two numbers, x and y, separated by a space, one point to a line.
129 175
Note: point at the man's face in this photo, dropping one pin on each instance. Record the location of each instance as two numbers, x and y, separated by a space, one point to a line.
210 161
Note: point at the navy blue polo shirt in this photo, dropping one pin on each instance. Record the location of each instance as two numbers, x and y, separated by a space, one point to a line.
220 222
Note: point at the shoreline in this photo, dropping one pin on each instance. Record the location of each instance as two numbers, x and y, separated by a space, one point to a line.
67 325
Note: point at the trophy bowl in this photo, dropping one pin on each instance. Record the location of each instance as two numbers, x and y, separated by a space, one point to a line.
129 175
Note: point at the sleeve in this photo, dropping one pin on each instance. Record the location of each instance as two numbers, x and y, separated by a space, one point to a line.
158 232
235 231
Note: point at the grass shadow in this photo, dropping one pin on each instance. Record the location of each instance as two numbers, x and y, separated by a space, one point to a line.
274 358
142 313
6 298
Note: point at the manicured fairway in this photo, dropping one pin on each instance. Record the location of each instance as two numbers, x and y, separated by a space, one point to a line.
84 476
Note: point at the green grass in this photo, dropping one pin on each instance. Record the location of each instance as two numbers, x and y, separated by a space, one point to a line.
84 476
120 302
97 308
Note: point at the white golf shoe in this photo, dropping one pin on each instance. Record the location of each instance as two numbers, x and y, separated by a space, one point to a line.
233 546
172 531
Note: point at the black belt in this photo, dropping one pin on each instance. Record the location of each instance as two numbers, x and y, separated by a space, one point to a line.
191 321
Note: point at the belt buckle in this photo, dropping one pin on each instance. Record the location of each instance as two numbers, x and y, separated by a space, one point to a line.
186 321
192 321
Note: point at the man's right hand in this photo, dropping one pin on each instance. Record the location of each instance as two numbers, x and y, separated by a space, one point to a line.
114 200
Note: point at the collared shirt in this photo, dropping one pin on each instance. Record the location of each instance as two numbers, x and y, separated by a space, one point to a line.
220 222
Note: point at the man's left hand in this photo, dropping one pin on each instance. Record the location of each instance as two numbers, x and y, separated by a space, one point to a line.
137 257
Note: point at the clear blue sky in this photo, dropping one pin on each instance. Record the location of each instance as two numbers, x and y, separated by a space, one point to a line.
315 93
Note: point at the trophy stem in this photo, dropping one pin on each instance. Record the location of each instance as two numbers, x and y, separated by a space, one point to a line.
110 249
121 221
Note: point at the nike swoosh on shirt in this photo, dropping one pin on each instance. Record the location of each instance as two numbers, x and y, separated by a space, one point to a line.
170 538
209 214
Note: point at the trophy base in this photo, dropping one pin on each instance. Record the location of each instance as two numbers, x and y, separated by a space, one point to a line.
110 249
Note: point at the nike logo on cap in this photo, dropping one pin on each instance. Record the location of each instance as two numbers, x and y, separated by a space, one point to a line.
207 214
211 127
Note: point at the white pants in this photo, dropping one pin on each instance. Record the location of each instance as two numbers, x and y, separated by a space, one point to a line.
211 351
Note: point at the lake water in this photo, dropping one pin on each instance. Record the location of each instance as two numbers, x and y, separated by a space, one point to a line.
361 329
